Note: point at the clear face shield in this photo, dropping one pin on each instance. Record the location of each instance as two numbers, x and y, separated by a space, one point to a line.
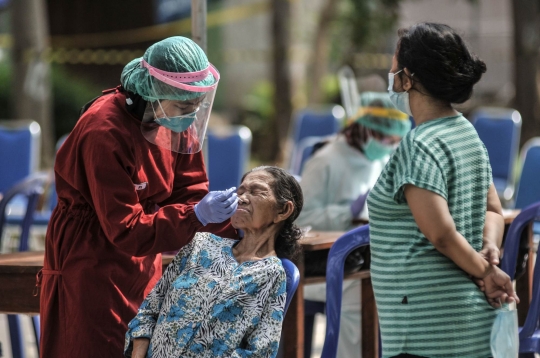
178 124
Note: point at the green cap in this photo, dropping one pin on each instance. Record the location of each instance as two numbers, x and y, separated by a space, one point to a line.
377 112
174 54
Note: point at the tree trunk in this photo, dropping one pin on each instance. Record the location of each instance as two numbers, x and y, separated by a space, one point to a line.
31 73
526 68
198 23
320 53
281 76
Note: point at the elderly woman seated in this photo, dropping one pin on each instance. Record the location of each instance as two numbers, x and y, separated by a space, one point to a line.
221 297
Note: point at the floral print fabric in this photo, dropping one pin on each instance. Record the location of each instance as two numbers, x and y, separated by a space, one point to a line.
208 305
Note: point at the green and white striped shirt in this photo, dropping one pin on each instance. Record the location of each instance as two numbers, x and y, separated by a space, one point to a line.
427 305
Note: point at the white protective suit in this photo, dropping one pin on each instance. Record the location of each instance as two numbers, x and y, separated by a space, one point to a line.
331 180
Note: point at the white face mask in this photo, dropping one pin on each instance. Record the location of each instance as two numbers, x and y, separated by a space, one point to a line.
399 99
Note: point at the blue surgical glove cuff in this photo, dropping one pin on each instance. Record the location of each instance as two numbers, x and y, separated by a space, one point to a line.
199 216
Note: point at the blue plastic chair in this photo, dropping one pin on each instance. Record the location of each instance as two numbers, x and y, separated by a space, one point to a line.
529 334
293 278
304 151
528 189
343 246
500 130
19 151
41 218
32 188
228 156
315 123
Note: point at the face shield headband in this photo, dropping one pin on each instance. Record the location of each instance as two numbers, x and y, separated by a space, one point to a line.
180 79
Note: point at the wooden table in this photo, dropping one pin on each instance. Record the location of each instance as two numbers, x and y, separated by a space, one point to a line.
18 279
293 326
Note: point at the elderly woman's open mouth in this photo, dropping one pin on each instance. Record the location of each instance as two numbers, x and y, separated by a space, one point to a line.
244 209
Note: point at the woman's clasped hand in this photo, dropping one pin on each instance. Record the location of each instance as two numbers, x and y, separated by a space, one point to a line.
497 286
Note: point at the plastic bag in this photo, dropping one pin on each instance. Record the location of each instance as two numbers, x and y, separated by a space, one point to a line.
504 334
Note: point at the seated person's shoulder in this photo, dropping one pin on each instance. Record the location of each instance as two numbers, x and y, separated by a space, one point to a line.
273 270
203 237
210 242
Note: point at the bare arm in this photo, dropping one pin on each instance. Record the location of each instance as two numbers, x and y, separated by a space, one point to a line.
433 218
431 213
140 347
493 228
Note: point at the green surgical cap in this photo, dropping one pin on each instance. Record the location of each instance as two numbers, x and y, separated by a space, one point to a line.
377 112
174 54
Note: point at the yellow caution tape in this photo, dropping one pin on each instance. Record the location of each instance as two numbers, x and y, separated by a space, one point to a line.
382 112
375 61
158 32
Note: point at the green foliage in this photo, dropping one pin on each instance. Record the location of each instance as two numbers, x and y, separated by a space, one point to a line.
362 25
256 113
69 95
259 100
371 19
330 89
5 88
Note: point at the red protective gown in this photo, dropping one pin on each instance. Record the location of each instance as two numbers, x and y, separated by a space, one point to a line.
122 201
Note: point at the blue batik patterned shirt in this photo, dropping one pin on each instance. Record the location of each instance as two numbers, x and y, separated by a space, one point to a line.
208 305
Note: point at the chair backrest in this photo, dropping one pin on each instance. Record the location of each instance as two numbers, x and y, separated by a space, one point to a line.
293 278
313 122
500 130
31 188
334 283
528 189
509 259
19 151
228 156
304 150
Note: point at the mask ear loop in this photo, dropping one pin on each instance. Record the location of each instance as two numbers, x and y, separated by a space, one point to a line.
401 80
162 111
412 83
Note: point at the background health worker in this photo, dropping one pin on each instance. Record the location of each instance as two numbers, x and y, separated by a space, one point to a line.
335 183
435 217
131 184
337 176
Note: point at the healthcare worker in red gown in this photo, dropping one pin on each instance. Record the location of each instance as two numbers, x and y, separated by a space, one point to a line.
131 184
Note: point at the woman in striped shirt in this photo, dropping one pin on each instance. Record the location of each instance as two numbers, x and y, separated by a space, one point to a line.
435 217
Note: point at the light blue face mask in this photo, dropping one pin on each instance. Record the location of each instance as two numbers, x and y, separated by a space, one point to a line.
399 99
504 333
376 150
179 123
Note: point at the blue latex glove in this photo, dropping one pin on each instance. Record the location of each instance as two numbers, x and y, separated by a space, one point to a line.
217 206
358 205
